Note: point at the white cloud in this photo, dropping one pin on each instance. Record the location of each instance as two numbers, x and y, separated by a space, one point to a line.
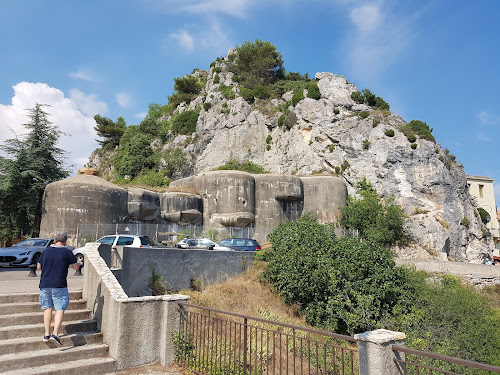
185 39
123 99
486 118
88 103
366 18
63 112
83 75
141 115
483 137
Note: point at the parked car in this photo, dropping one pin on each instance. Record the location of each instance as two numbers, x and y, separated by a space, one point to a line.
24 253
182 243
205 243
241 244
116 240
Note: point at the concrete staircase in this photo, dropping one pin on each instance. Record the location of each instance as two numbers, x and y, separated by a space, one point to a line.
22 350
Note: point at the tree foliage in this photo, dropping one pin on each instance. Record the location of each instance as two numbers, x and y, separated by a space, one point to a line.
341 284
34 161
184 123
245 166
138 155
421 129
377 220
109 130
257 63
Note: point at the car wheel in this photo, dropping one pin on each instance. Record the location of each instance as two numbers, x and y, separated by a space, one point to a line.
79 258
35 258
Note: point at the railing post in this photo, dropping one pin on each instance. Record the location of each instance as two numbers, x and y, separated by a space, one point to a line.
375 352
245 336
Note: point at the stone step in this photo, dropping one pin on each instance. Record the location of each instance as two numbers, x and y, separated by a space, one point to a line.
37 330
33 297
23 360
24 307
26 344
37 317
93 366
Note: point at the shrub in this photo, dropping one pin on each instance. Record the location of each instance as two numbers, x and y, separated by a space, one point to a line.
207 106
297 97
216 79
280 87
336 110
465 222
389 133
135 156
290 120
363 114
187 85
408 132
485 216
235 78
313 90
281 121
151 178
358 97
217 69
422 130
331 148
413 146
227 91
269 138
375 122
185 122
377 220
268 147
245 166
177 98
261 91
247 94
366 144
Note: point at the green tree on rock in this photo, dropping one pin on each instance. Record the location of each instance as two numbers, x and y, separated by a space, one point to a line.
35 161
109 130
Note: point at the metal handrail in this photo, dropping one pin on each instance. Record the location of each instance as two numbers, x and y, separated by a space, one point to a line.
458 361
291 326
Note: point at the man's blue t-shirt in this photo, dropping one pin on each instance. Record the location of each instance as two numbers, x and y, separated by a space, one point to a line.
55 262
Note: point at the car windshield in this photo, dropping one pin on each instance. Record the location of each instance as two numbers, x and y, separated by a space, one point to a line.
31 242
145 241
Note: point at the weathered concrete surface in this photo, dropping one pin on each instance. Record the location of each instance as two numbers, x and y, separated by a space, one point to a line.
323 195
137 330
181 207
81 199
178 267
143 204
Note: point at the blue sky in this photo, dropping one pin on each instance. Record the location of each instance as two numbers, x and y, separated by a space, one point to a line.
435 61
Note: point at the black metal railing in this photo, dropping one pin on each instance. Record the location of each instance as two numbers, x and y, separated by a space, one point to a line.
212 341
418 362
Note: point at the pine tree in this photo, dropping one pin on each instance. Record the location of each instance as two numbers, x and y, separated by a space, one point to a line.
109 130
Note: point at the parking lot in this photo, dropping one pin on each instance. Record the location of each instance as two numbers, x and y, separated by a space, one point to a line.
16 280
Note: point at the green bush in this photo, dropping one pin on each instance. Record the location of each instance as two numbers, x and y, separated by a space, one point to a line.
465 222
245 166
177 98
408 132
331 148
413 146
377 220
290 120
268 147
269 139
389 133
313 90
281 87
281 121
151 177
261 91
422 130
207 106
227 91
358 97
485 216
247 94
366 144
187 85
335 281
336 110
375 122
172 161
364 114
184 123
217 69
135 156
297 97
216 79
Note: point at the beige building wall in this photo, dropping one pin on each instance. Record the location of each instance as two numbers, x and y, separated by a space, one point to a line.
481 188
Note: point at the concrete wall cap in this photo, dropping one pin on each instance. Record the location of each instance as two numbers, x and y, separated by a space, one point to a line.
380 336
166 297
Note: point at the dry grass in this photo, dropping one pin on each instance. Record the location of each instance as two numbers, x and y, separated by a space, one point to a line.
245 294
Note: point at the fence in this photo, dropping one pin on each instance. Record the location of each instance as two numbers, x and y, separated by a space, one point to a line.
167 233
217 342
419 362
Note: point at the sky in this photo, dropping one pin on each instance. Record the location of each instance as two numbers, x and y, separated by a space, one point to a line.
432 60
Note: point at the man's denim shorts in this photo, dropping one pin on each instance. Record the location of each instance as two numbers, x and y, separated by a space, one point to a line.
54 297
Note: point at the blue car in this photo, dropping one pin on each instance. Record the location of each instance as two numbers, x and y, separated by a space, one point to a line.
24 253
241 244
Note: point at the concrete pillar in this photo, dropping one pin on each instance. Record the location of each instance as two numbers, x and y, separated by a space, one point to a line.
375 352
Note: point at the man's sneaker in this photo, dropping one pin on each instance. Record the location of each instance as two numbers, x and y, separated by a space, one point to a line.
56 339
46 338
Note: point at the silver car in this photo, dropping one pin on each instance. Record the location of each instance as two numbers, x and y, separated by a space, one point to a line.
24 253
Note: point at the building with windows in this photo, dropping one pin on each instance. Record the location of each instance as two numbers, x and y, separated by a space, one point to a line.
481 188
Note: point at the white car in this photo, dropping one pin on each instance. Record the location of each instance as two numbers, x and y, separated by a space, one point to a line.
205 243
116 240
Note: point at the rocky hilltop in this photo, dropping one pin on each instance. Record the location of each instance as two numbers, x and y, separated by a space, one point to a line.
334 134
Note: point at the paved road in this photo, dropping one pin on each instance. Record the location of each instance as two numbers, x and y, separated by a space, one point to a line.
16 280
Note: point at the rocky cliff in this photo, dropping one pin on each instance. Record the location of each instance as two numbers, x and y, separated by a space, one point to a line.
335 135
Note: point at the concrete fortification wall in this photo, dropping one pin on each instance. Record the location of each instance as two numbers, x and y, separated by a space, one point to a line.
226 201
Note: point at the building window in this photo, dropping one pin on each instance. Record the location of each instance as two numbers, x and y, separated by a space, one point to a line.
481 191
